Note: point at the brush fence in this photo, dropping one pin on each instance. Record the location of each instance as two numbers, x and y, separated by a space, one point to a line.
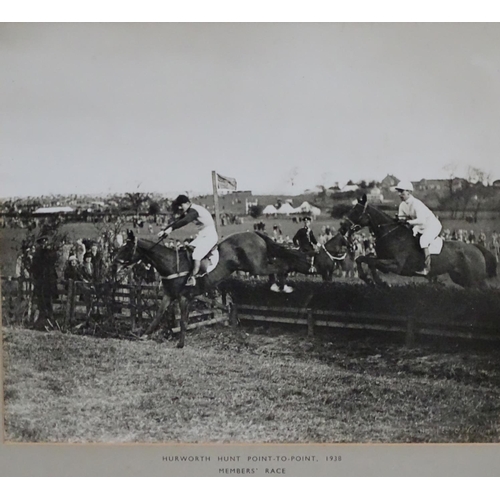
77 301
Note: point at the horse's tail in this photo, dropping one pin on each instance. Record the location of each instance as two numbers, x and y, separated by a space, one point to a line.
489 258
292 257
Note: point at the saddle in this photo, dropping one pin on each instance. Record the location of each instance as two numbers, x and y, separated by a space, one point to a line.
435 247
209 262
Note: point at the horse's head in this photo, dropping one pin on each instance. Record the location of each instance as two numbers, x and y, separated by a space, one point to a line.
127 254
337 246
357 218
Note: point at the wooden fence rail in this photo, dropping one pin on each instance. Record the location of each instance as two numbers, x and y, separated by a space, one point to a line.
410 326
136 303
77 301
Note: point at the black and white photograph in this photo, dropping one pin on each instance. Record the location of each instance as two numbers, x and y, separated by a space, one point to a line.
258 245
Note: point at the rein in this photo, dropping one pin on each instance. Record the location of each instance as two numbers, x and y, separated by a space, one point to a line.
332 257
177 274
356 227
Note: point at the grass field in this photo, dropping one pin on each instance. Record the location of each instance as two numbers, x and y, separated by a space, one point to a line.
250 385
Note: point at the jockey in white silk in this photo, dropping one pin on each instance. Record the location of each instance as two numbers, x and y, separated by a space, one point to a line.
422 220
207 236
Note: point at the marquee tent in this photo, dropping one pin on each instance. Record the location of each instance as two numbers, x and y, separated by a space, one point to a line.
306 207
286 209
269 210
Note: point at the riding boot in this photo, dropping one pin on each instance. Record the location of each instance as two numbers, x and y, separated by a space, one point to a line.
192 278
427 263
312 269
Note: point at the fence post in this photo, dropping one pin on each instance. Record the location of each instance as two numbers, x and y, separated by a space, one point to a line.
72 308
310 322
233 314
132 305
138 301
69 299
410 332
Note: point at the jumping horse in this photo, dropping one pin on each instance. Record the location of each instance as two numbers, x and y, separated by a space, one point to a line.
398 251
250 252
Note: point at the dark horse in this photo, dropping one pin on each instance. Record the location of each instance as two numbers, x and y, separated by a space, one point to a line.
399 252
251 252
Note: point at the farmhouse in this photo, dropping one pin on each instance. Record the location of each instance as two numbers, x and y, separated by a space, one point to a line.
389 181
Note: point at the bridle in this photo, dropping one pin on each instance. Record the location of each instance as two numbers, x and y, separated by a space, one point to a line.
356 227
177 274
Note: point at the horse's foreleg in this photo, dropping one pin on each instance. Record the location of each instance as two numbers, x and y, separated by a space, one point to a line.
184 313
362 274
384 265
161 311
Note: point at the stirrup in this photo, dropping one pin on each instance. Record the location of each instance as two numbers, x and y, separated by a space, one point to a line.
191 281
312 269
425 272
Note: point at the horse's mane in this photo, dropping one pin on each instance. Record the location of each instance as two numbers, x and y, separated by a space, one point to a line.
150 245
385 215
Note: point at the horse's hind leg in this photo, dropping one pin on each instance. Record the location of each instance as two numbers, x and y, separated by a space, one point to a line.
184 309
462 274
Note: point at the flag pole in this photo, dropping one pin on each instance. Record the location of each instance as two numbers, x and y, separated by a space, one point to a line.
216 202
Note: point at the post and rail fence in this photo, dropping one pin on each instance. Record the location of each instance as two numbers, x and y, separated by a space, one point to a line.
408 326
136 303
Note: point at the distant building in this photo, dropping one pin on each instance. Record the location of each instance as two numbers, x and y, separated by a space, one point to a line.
442 185
235 202
52 210
375 195
250 203
389 181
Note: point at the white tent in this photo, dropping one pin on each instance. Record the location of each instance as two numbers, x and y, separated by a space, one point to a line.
53 210
349 188
306 207
286 209
269 210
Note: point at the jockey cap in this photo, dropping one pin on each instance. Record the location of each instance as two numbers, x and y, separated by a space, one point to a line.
180 200
404 186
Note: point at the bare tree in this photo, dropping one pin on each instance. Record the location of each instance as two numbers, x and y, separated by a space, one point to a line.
322 195
451 169
136 200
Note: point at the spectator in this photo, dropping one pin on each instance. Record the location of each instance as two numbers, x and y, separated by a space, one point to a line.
80 250
72 270
87 268
482 239
97 262
43 271
306 241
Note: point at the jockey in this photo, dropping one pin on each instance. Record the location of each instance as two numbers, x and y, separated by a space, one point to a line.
207 235
422 220
306 241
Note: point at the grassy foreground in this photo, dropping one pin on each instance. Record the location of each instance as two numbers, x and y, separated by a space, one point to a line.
250 385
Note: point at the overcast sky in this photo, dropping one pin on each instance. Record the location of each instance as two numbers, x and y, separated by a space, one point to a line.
97 108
